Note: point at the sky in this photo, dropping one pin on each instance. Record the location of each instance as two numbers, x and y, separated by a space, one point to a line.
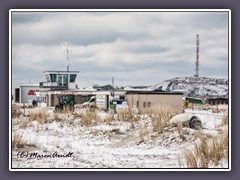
136 48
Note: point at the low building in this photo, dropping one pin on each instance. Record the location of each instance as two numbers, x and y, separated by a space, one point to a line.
25 93
219 100
63 82
150 99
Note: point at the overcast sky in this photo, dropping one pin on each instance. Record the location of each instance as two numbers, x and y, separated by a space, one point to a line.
136 48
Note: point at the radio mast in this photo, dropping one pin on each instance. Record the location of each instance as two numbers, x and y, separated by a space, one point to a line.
197 57
67 50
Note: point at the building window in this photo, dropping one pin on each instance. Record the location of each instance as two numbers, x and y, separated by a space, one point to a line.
53 77
65 79
149 104
73 77
122 97
84 99
44 99
144 104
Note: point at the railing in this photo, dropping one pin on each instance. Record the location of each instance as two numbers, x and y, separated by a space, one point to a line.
52 85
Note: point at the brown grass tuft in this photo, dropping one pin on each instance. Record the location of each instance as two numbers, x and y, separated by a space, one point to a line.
209 150
225 120
89 118
57 117
39 116
126 115
19 142
180 131
108 119
16 112
161 116
142 134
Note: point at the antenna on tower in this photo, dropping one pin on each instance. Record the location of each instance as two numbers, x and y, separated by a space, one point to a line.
68 50
113 81
197 56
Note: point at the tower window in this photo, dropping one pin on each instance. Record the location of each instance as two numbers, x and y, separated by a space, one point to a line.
53 77
73 77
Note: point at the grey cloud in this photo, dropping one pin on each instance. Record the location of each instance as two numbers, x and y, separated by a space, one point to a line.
136 48
27 17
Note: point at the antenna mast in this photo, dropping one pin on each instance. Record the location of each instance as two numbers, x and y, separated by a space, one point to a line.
67 50
197 56
113 81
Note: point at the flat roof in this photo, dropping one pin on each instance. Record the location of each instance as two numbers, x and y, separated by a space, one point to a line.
27 85
154 92
63 71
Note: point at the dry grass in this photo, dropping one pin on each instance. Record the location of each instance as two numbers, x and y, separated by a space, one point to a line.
19 142
108 119
208 151
142 134
225 120
16 112
89 118
126 115
161 116
67 109
24 122
57 117
180 131
39 116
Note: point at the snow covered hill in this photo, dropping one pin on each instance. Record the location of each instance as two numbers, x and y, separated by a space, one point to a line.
191 86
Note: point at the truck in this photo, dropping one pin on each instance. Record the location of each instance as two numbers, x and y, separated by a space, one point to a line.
65 101
98 101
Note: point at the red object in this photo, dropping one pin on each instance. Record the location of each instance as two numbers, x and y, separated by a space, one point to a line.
32 92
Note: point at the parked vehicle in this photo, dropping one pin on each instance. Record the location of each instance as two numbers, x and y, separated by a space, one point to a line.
103 102
65 101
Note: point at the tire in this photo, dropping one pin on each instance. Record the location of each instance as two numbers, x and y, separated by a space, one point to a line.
195 123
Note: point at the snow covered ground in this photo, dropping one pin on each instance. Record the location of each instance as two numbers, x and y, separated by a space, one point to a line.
67 143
